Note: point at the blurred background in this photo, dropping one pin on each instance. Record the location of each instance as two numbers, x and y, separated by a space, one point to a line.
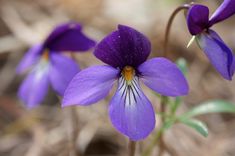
46 130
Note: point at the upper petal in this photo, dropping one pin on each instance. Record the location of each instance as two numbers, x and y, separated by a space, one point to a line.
197 18
68 37
30 58
62 70
131 112
164 77
224 11
219 54
90 85
125 46
34 88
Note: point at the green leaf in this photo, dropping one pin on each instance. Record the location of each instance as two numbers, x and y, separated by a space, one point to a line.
197 125
216 106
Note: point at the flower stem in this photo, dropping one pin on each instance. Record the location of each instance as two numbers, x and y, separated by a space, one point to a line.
148 151
72 127
165 54
72 130
131 147
161 140
169 24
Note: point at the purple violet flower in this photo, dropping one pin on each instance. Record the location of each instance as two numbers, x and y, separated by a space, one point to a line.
48 66
125 51
219 54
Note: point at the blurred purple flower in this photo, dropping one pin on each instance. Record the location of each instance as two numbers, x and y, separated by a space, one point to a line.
219 54
48 66
125 51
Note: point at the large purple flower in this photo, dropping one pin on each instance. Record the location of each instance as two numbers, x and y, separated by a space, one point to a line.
125 51
219 54
48 66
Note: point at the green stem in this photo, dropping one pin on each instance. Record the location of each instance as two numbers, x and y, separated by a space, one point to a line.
160 134
148 151
164 100
165 54
176 105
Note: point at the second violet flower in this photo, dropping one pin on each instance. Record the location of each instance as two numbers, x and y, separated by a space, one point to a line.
125 51
199 25
48 66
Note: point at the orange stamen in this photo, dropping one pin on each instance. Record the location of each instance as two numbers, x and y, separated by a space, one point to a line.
45 55
128 72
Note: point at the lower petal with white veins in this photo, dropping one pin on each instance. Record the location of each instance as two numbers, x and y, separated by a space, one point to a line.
130 110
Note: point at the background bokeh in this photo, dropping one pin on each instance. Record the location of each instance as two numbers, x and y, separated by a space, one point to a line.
45 131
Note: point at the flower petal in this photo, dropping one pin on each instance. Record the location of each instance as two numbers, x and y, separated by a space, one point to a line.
30 58
62 70
219 54
126 46
68 37
90 85
34 88
164 77
197 19
131 112
224 11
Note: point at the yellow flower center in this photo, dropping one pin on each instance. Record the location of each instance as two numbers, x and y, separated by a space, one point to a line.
128 73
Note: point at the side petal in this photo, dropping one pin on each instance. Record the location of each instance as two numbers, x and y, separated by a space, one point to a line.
224 11
90 85
233 65
131 112
164 77
29 59
68 37
197 19
34 88
62 70
219 54
125 46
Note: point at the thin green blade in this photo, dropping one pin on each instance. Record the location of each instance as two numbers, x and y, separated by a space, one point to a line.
216 106
197 125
